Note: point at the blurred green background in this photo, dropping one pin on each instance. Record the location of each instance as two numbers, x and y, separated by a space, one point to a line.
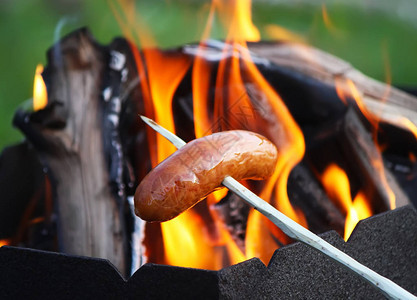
373 35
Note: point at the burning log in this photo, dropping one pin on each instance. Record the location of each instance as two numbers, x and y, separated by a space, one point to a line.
349 143
386 102
233 212
68 137
305 192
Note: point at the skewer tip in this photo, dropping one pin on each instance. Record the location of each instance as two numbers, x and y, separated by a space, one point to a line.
147 120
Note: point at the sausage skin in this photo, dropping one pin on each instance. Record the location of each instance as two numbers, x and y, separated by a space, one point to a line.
198 168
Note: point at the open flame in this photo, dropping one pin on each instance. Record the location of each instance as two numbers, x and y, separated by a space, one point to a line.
347 88
337 185
242 99
4 243
40 94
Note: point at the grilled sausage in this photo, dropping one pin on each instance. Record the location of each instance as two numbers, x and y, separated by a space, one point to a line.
198 168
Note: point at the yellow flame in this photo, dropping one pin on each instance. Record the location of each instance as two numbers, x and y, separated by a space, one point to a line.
329 24
337 186
326 17
345 87
232 100
40 95
359 210
235 255
200 82
259 240
237 18
282 34
407 124
185 241
187 244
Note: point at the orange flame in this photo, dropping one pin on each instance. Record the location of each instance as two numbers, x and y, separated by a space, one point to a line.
260 242
243 99
235 255
4 243
40 94
408 125
329 24
201 81
236 105
187 244
337 186
164 75
237 18
282 34
359 210
345 88
326 17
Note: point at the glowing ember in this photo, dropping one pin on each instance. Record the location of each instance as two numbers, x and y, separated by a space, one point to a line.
40 94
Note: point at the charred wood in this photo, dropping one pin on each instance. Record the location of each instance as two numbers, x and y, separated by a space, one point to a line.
90 214
306 193
233 212
348 143
383 100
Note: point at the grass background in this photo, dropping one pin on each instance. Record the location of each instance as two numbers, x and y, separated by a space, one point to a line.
372 35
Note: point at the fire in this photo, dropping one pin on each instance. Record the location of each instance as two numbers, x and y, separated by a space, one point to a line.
187 244
234 95
408 125
4 243
239 109
359 210
237 18
164 74
337 186
345 89
40 94
260 242
329 24
279 33
326 18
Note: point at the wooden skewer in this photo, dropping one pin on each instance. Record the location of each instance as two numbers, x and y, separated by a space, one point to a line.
298 232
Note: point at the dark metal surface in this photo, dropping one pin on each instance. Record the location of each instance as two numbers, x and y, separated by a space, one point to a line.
386 243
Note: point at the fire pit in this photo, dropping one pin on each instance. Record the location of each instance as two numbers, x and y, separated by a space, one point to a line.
88 150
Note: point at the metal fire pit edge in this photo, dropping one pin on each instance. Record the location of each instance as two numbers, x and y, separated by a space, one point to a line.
386 243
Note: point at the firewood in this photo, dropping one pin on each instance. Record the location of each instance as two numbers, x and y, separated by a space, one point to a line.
69 140
233 212
306 193
347 142
387 102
